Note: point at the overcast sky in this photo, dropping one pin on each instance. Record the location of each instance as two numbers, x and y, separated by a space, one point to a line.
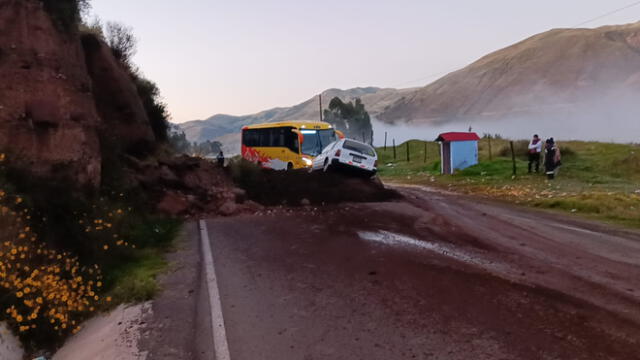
243 56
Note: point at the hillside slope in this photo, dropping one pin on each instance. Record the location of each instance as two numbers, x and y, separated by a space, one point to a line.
224 127
567 74
64 98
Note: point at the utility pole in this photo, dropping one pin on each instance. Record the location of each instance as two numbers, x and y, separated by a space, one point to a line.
408 158
320 101
385 141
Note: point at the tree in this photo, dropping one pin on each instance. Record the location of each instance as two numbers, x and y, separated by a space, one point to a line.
179 143
67 13
206 148
122 42
351 118
94 27
155 108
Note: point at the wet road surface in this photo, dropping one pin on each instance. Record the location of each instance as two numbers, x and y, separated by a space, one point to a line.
435 276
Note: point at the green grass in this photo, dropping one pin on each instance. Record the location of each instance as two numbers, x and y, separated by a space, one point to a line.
597 180
135 281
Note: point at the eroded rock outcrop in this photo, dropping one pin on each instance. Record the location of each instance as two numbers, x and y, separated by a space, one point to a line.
70 110
124 120
48 120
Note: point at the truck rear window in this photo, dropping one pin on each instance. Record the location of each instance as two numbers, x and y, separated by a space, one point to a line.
359 147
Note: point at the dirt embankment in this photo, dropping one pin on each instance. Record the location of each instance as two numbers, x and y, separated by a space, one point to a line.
48 119
69 110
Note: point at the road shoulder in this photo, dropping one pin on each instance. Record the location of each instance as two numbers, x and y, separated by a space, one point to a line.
179 326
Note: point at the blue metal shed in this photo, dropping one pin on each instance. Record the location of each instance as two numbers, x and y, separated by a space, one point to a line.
458 150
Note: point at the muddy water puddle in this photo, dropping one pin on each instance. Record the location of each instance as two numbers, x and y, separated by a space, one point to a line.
410 243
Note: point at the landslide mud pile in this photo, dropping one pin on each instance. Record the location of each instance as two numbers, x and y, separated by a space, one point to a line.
303 188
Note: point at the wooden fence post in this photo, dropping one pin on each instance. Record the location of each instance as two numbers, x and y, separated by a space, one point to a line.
385 141
408 158
513 158
425 152
490 154
394 149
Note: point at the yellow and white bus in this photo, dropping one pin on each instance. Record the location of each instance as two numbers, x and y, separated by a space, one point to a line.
286 145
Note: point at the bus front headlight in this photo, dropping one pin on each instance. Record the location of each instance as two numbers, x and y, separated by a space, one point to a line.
307 161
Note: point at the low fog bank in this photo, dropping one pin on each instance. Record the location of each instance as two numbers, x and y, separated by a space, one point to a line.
606 113
591 123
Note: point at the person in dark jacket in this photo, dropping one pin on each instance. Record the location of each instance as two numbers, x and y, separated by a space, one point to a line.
552 159
220 158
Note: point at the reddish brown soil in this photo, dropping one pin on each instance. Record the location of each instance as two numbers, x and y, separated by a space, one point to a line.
445 278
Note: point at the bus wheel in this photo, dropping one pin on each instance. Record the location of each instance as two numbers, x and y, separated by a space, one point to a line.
289 166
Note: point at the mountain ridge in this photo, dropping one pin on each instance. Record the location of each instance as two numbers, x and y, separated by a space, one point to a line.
543 74
220 127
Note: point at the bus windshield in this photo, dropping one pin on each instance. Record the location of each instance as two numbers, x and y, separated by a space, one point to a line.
316 140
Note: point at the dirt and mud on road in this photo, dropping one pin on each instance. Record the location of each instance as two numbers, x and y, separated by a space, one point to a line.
292 188
430 276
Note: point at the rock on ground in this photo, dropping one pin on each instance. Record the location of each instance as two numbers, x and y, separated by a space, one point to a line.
110 336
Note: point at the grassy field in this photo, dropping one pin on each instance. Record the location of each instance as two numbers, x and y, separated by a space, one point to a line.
597 180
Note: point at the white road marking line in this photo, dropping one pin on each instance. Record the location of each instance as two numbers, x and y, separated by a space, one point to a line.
217 321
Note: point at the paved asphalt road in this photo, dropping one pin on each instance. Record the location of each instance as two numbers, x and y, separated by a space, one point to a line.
433 276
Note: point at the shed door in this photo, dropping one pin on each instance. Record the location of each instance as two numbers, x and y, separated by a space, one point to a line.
446 158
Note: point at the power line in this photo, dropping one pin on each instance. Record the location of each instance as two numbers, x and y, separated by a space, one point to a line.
608 14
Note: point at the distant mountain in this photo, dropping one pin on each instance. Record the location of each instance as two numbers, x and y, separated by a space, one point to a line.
572 83
226 128
564 75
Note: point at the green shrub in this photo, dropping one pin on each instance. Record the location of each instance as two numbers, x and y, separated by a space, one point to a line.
155 108
66 13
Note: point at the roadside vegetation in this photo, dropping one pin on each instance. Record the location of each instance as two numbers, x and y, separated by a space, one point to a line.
66 13
65 254
597 180
68 252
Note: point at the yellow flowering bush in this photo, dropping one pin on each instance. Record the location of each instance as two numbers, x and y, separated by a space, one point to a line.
42 290
62 251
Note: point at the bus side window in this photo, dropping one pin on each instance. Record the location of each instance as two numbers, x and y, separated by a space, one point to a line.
250 138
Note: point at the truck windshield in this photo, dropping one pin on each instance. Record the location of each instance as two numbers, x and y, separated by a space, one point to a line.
316 140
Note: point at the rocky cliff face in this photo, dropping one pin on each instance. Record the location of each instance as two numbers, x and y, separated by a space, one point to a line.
124 120
60 96
48 120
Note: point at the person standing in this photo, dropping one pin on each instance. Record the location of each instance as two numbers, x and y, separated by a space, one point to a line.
220 158
552 159
535 149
